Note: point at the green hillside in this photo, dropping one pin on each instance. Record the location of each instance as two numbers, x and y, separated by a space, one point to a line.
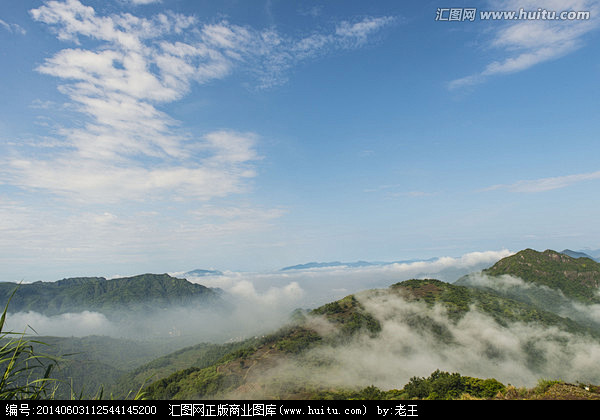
91 364
236 372
527 325
197 357
146 292
459 299
576 278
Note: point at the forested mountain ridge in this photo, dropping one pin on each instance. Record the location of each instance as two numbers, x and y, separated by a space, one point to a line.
523 319
235 372
137 293
424 308
577 278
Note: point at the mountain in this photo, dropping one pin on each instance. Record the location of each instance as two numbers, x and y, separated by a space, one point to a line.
356 264
93 363
311 265
203 273
198 355
147 316
595 253
576 278
379 337
146 292
577 254
532 315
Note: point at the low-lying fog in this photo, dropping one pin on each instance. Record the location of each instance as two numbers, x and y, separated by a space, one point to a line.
519 353
260 301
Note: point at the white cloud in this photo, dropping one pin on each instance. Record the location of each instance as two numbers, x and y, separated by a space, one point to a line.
122 152
125 147
322 285
143 2
526 43
546 184
360 31
222 219
516 287
12 27
68 324
103 182
476 345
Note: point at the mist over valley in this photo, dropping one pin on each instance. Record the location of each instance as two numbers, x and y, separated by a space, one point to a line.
296 330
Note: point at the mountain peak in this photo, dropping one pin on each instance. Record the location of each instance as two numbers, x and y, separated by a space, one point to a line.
577 278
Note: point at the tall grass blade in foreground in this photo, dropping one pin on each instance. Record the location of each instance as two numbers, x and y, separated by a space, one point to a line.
20 366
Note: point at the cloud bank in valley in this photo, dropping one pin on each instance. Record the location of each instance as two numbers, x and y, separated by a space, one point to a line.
519 353
309 288
260 302
540 295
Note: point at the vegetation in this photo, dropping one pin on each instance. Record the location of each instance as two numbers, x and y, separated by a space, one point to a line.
458 300
348 317
444 385
439 386
552 390
452 386
147 292
191 358
222 370
230 372
577 278
29 373
94 364
25 374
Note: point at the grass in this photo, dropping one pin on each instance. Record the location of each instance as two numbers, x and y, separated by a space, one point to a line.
26 374
21 366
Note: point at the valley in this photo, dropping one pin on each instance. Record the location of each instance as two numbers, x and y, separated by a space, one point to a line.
528 322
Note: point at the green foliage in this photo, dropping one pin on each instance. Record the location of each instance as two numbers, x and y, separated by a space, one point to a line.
192 383
439 386
147 292
20 365
444 385
349 315
544 385
576 278
212 370
458 300
369 393
297 341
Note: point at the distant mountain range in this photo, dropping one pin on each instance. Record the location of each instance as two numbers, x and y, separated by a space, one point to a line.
203 273
581 254
594 255
312 265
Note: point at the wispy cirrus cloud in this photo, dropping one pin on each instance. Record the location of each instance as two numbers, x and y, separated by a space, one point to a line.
143 2
522 44
12 27
546 184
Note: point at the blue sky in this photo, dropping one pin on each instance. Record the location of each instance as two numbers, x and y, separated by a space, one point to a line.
160 136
